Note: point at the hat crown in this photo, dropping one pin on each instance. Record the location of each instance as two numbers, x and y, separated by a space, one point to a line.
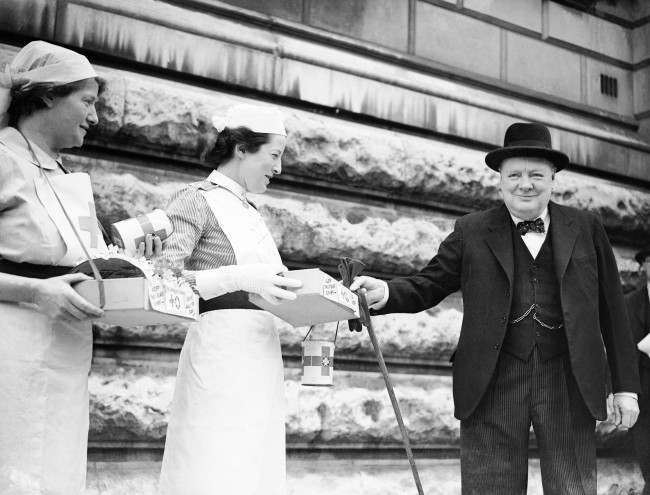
524 134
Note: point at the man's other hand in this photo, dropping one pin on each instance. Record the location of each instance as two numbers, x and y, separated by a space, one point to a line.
626 410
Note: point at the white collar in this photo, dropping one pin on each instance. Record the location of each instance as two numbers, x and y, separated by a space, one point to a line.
544 216
220 179
15 141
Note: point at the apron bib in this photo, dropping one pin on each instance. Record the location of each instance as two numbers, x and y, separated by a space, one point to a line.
226 433
76 194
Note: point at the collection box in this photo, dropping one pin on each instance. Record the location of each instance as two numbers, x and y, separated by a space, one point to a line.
142 301
321 299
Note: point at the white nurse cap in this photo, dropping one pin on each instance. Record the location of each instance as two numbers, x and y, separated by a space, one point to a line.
41 62
257 118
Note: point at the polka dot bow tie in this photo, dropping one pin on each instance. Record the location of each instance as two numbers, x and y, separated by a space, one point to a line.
536 225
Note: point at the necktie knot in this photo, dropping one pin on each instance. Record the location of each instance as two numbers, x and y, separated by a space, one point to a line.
526 226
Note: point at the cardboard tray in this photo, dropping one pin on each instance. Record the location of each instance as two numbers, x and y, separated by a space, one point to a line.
321 299
128 303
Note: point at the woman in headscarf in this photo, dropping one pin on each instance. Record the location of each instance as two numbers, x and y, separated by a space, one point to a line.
226 432
47 98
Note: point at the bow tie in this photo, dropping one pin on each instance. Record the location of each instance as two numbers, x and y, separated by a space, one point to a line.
536 225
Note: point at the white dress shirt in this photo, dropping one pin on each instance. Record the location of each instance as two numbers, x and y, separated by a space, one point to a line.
534 240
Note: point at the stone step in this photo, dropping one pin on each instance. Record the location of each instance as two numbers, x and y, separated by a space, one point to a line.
130 401
316 475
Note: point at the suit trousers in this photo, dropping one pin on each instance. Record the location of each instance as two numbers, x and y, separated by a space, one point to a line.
494 439
641 430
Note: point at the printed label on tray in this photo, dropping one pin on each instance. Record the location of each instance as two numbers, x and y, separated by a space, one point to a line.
334 291
167 296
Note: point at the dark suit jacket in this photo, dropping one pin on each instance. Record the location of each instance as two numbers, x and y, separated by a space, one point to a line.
637 309
477 258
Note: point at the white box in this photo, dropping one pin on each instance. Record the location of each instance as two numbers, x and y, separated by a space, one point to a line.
142 301
321 299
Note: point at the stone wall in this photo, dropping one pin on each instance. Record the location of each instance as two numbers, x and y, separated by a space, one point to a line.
382 156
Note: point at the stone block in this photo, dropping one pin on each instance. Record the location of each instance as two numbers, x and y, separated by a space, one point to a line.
641 43
384 22
588 31
32 18
633 10
642 90
457 40
142 113
319 231
524 13
130 401
287 9
324 475
131 404
134 32
623 104
425 338
539 72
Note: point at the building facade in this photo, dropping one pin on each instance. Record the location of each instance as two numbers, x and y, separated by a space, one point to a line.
391 106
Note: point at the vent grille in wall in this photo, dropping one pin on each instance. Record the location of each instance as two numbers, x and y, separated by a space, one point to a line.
609 86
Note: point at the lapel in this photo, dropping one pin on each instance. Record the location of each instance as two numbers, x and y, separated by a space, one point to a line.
563 236
499 239
643 309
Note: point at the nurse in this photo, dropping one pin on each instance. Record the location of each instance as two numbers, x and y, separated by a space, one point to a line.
226 431
47 98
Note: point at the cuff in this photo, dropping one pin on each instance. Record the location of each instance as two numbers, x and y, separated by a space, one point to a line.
627 394
381 303
190 278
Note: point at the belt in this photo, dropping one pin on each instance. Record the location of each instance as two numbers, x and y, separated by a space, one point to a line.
232 300
32 270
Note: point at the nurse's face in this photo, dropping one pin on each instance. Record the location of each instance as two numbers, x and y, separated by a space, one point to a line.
257 169
72 115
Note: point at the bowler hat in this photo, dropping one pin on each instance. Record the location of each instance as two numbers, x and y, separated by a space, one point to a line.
642 255
523 139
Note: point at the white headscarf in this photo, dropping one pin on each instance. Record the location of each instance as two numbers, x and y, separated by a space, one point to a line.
262 119
41 62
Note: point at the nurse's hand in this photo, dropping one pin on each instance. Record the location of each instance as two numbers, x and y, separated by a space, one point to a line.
265 280
151 247
258 278
56 298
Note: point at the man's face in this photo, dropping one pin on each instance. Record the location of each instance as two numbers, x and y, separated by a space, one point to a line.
526 185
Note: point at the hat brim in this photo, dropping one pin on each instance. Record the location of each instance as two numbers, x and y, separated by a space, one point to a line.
494 158
641 256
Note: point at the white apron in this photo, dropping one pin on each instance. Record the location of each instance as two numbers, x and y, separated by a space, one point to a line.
226 433
44 369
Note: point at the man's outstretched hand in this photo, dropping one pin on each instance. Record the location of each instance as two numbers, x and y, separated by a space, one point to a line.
375 288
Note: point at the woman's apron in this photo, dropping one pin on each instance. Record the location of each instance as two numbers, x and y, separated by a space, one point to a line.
226 433
44 367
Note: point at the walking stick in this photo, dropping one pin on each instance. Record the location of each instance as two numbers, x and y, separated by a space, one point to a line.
365 319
